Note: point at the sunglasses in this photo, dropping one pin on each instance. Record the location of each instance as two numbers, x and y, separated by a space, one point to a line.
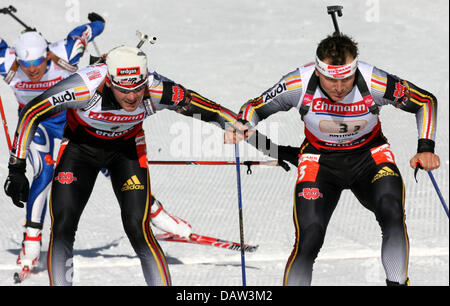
131 89
35 62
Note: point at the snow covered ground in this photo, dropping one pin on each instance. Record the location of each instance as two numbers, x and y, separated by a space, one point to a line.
231 51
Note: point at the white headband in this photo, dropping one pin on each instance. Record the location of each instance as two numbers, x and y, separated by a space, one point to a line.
337 72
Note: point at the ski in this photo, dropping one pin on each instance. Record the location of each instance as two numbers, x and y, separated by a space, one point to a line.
23 275
205 240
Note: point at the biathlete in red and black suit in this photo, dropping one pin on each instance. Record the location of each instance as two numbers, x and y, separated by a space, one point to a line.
338 98
106 105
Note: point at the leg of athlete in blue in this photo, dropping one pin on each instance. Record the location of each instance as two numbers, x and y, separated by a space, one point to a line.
42 147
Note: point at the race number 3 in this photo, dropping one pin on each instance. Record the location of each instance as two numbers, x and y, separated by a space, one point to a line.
308 168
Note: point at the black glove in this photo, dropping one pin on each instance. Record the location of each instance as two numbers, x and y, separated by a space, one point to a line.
16 184
95 17
287 154
283 154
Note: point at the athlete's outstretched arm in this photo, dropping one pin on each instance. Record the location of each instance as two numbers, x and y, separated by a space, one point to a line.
60 97
78 39
206 110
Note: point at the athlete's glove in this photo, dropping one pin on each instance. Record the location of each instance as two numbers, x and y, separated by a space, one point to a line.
95 17
288 154
16 185
284 154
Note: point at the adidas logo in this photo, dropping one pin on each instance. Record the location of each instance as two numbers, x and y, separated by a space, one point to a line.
385 171
132 183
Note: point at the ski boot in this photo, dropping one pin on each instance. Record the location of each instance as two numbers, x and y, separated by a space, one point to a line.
29 254
164 221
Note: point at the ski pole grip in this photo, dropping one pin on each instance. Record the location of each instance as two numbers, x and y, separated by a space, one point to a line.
143 38
8 10
332 9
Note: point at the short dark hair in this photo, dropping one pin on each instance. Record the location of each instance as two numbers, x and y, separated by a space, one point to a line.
337 48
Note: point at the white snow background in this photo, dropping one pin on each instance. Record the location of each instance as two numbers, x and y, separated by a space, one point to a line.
231 51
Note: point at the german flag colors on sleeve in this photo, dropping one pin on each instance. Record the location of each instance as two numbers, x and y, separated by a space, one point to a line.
208 110
281 97
69 93
28 122
408 97
427 112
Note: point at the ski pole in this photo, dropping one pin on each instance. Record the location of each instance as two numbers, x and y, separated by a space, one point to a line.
438 192
5 124
436 187
9 11
247 163
332 10
241 219
95 59
143 38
